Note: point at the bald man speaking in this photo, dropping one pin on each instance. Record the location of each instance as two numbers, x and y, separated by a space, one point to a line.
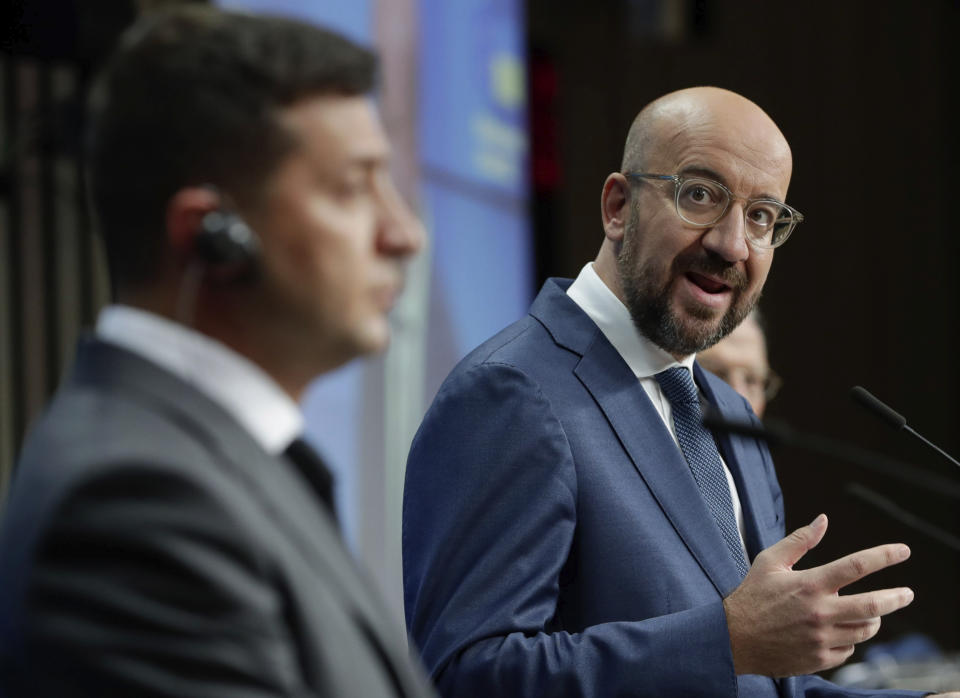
570 528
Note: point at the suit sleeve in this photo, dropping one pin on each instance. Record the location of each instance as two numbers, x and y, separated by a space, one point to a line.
490 518
142 587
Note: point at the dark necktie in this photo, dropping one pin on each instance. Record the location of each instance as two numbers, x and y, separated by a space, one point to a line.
309 464
702 455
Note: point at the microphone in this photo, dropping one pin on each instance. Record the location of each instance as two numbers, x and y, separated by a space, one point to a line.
862 396
883 411
780 434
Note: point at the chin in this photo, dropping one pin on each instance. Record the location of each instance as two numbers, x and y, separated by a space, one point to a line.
697 333
375 338
697 320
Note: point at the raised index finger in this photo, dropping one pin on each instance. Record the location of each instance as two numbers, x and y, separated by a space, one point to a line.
837 574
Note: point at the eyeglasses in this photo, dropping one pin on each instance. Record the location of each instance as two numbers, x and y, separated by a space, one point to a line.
746 381
702 202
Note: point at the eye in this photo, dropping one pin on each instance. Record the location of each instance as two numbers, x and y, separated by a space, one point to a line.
763 214
354 187
701 194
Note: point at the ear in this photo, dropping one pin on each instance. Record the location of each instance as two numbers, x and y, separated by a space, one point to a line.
185 212
614 206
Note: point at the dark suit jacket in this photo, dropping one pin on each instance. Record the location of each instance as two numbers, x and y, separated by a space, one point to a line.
555 542
150 547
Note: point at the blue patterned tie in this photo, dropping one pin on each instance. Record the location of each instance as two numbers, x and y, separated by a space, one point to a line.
701 453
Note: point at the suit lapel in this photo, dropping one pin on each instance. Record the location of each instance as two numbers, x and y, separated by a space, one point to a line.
292 505
644 438
314 531
656 458
743 458
316 534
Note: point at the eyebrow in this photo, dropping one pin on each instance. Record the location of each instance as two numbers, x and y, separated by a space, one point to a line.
370 160
698 171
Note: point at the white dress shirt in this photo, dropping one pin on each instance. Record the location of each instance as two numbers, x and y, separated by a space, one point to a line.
643 357
238 385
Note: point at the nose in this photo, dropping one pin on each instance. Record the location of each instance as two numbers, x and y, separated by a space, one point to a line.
727 237
400 233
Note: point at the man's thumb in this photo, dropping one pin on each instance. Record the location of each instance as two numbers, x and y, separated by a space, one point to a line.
788 551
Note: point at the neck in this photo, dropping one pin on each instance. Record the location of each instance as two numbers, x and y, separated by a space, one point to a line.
606 267
227 318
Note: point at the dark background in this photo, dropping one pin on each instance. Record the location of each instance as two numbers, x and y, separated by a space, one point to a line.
865 292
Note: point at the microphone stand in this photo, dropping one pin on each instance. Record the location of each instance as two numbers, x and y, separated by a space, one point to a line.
777 433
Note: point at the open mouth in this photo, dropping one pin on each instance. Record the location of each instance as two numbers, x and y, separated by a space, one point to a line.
707 284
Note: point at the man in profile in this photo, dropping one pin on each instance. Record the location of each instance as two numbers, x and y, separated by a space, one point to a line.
570 527
168 532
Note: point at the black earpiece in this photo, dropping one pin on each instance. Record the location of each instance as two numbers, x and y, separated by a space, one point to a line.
227 245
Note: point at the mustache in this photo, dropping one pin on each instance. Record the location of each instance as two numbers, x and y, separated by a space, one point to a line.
711 265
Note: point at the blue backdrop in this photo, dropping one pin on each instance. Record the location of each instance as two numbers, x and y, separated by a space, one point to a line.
473 150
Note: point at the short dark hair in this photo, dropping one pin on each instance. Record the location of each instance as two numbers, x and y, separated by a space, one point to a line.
192 97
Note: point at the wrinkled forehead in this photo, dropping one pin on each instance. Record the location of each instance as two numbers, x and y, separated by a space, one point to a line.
735 143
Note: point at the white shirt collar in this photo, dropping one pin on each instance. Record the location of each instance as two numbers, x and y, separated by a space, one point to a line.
643 357
596 299
237 384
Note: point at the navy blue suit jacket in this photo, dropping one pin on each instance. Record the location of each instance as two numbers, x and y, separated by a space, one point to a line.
555 542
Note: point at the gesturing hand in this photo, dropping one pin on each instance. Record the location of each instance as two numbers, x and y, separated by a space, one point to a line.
784 622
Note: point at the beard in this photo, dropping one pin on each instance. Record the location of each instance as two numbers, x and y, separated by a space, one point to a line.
648 298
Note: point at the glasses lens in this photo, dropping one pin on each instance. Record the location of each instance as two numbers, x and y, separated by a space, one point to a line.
768 222
782 226
701 201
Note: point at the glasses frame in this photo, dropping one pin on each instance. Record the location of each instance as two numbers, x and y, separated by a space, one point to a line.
772 385
678 181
